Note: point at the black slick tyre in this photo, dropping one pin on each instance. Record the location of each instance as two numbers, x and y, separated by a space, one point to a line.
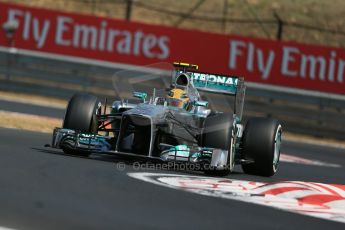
261 144
81 116
218 133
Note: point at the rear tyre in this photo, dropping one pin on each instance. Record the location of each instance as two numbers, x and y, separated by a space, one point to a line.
261 143
218 133
81 115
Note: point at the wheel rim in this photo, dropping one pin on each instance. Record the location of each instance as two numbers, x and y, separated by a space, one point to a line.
231 156
277 143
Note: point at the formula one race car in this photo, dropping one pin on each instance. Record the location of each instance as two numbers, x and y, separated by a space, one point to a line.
175 125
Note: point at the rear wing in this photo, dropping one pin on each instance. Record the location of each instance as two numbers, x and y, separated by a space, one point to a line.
212 82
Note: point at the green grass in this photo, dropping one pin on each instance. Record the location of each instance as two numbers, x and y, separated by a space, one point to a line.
328 14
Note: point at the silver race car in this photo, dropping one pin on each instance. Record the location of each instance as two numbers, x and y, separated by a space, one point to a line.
175 125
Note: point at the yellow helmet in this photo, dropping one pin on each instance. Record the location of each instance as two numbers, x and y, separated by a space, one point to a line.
178 98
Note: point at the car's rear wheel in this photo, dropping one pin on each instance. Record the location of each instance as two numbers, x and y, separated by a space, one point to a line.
261 144
218 134
81 116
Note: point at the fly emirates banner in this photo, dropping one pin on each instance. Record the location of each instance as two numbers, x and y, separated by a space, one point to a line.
287 64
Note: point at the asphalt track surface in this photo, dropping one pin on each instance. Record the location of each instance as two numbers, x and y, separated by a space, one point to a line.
45 189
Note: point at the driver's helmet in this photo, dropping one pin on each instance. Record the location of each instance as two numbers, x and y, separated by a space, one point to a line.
178 98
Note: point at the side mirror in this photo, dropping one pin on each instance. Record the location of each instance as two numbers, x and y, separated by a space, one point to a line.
140 95
201 103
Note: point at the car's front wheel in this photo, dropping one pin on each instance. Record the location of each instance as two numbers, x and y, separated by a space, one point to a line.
81 116
219 134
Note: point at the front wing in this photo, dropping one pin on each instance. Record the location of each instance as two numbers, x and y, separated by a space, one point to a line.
94 143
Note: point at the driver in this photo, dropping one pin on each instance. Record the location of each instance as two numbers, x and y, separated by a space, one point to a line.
178 98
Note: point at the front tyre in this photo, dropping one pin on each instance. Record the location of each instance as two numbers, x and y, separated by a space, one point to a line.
81 116
261 143
219 134
81 113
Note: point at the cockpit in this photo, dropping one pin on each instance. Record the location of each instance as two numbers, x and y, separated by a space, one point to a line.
178 95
